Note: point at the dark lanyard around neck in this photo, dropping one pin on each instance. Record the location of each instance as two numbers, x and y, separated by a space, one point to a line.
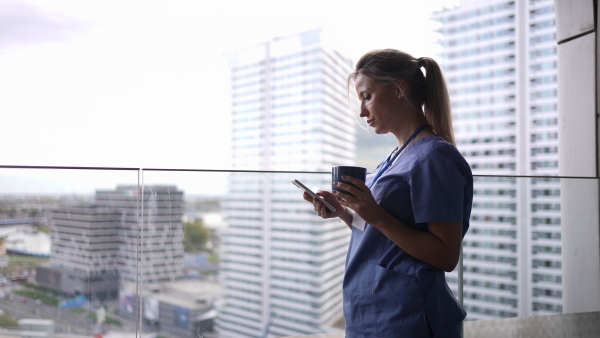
393 157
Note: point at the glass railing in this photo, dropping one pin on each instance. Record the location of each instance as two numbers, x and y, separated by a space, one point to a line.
182 253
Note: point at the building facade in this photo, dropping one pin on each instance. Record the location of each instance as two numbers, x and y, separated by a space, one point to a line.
95 248
159 212
283 266
84 253
184 308
500 61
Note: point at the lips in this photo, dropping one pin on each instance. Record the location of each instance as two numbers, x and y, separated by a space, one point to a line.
370 122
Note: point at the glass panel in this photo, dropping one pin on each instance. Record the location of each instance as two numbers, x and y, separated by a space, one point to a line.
254 253
512 251
240 253
63 256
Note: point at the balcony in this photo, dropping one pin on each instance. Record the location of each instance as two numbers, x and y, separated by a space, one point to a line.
261 263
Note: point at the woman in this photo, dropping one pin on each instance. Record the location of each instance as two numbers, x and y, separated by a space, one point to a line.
409 218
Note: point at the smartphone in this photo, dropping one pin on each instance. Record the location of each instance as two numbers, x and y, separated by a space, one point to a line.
313 195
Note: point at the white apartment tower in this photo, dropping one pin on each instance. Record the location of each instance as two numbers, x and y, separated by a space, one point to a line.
283 266
500 61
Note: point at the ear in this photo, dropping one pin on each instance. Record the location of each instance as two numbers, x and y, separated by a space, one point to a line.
401 88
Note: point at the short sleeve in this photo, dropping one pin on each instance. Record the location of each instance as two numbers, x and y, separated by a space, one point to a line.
438 183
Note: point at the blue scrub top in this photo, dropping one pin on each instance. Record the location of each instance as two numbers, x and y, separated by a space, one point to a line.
387 292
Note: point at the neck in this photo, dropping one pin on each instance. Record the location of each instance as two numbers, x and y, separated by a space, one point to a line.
408 129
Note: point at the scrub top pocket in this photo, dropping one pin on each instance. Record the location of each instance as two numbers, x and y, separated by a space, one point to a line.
393 307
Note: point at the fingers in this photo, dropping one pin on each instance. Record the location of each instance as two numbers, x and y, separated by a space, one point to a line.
357 182
327 195
351 190
350 184
316 204
320 209
354 197
307 197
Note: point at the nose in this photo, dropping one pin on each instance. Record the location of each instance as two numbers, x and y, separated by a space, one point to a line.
363 110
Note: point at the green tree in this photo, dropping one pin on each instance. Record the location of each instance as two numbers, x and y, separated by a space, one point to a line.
195 236
33 213
7 320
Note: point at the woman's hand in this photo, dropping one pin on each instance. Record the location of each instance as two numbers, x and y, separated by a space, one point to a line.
361 200
320 208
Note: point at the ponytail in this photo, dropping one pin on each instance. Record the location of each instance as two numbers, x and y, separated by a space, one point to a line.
437 101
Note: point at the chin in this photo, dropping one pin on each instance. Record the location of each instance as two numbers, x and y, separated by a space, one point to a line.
379 131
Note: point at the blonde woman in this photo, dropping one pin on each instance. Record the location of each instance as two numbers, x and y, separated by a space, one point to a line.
409 218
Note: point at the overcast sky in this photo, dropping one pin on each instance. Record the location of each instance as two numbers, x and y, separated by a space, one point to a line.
143 83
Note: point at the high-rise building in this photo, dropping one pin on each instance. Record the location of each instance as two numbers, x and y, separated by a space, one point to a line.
500 61
96 247
150 226
84 253
283 266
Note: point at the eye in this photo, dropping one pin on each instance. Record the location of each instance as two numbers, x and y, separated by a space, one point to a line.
366 97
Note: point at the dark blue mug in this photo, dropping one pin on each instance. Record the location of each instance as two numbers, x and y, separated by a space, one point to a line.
339 171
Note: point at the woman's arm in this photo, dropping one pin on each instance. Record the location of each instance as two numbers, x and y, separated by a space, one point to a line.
440 246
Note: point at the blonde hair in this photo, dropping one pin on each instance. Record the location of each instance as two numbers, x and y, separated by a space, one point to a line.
390 67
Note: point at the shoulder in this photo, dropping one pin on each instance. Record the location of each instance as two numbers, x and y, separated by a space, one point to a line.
434 151
436 144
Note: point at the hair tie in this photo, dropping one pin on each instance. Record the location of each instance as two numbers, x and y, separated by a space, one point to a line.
421 62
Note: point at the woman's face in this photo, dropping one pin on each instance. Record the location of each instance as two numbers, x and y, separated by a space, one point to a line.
380 105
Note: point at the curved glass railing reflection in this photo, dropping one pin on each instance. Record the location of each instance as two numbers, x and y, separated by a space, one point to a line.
181 253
